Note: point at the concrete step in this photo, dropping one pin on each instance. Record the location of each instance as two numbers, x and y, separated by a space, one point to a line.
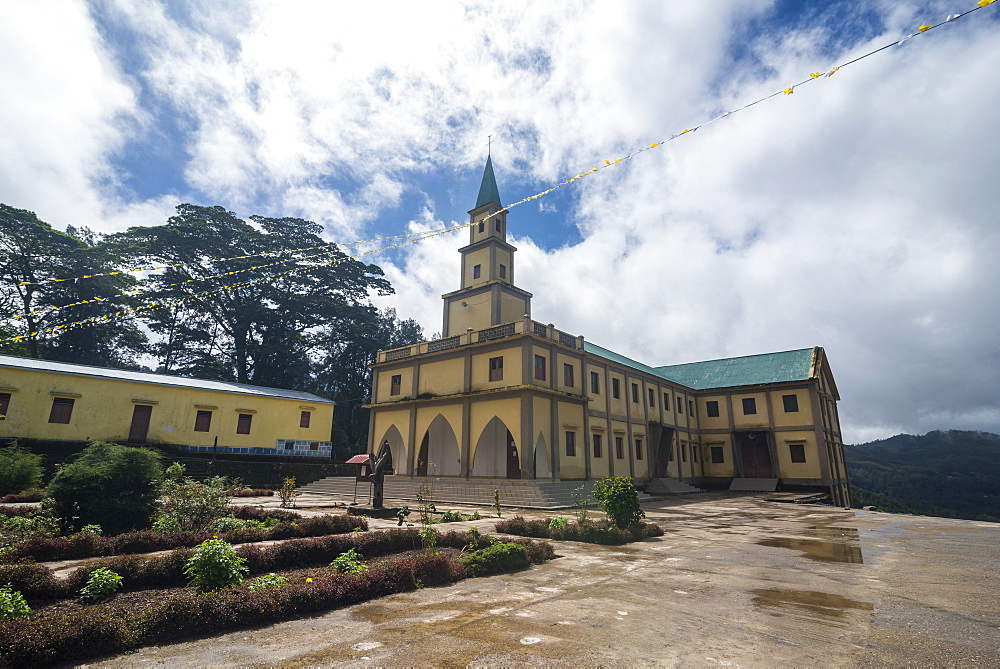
754 485
662 487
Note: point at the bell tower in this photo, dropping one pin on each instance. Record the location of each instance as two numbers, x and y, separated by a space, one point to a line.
487 295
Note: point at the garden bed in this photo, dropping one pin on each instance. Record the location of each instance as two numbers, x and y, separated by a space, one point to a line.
64 630
589 531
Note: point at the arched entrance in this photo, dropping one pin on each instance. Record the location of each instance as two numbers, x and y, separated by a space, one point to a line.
396 448
496 453
438 455
542 470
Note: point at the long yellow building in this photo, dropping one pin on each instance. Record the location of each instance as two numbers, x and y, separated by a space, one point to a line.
501 395
56 401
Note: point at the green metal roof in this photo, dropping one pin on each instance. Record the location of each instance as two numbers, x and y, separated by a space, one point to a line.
488 191
748 370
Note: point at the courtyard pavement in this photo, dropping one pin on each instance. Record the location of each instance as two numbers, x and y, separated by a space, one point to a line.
735 581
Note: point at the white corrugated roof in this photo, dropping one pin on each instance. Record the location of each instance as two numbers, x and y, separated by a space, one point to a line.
158 379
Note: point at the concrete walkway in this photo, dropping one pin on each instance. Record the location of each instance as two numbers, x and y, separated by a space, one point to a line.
736 581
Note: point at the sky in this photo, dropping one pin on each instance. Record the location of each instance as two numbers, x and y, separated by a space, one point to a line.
859 213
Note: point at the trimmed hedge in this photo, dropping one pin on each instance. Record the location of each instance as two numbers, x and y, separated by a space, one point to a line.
77 546
29 496
495 559
594 532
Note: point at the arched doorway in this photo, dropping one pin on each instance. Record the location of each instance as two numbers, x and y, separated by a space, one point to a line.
396 448
496 452
542 470
438 455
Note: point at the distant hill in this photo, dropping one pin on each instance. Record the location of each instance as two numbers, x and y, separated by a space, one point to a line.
954 474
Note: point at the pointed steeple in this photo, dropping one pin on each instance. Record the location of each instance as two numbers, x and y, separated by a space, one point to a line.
488 191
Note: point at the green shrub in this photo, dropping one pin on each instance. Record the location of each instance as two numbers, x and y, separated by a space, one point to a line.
558 523
18 529
349 563
186 505
499 557
12 604
20 470
231 523
214 565
595 532
101 583
268 581
110 485
451 517
617 497
91 529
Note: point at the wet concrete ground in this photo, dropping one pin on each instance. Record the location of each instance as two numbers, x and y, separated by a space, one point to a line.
735 581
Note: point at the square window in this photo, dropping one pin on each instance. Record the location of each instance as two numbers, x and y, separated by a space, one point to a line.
396 387
477 271
595 384
313 445
619 448
638 449
568 375
540 367
503 271
635 393
62 409
597 445
304 419
616 390
496 369
791 403
289 445
712 408
4 405
652 398
797 451
717 455
243 424
749 406
570 444
203 421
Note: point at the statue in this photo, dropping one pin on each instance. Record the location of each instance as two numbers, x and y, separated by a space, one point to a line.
377 466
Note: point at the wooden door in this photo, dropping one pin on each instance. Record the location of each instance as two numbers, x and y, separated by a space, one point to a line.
756 457
140 423
513 463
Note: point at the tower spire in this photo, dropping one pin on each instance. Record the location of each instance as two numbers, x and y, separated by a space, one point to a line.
488 191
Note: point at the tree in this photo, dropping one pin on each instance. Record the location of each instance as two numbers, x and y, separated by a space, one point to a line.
617 497
262 330
109 485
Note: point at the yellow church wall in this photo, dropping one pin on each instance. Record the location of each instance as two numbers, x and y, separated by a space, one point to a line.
103 408
571 420
708 423
482 412
740 420
810 469
475 315
451 413
599 466
619 405
577 364
542 418
384 420
384 393
512 308
788 419
511 368
443 377
538 351
479 257
722 469
504 258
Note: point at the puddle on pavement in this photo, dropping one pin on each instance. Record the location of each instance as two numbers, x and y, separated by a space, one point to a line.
824 551
819 603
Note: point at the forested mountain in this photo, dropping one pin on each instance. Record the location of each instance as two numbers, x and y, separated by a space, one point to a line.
955 474
228 299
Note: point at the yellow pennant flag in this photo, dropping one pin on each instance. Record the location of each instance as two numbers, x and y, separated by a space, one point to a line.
788 91
924 28
983 3
815 75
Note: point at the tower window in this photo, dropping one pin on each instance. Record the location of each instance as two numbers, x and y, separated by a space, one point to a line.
568 375
498 224
749 406
540 367
712 408
477 271
597 445
791 403
503 271
482 226
496 369
396 386
595 383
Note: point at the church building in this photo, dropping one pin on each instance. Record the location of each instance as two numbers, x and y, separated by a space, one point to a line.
501 395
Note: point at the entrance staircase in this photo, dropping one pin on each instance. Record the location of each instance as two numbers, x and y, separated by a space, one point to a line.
663 487
523 494
754 485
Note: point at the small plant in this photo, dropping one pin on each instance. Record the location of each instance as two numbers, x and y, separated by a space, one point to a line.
496 558
101 583
401 515
475 516
474 536
558 523
230 523
617 497
287 493
349 563
496 503
12 604
268 582
451 517
215 564
428 537
581 500
186 505
175 472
